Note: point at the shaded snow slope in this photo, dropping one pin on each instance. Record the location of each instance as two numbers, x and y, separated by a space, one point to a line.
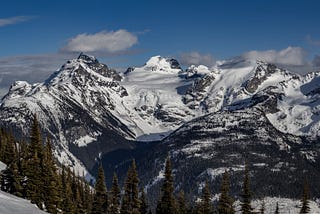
203 148
10 204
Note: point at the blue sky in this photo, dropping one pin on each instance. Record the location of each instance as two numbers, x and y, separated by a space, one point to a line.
38 36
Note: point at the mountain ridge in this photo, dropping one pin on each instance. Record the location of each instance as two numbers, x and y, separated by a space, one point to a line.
90 110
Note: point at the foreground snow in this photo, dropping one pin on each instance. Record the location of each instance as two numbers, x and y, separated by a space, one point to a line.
10 204
286 205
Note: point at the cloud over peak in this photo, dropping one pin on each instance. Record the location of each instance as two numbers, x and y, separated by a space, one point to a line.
196 58
312 41
103 42
288 56
14 20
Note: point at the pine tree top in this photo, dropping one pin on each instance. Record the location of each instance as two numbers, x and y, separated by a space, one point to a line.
100 186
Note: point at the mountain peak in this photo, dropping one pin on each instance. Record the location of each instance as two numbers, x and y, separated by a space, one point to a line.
162 64
87 58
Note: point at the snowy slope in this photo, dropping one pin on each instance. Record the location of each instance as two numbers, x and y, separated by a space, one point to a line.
290 101
89 109
10 204
71 106
3 166
154 104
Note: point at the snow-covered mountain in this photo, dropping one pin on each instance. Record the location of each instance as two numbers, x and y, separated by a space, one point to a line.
90 110
203 148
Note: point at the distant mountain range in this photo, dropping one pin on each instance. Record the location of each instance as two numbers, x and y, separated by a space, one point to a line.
206 119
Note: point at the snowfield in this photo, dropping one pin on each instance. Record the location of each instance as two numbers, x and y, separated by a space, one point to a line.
10 204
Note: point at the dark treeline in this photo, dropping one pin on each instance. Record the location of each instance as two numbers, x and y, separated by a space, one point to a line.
33 173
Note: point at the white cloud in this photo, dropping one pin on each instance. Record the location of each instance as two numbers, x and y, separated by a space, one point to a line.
288 56
104 42
14 20
312 41
31 68
195 58
316 61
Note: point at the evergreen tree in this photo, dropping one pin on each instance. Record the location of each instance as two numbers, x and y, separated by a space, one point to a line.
305 199
115 196
67 203
205 206
87 200
166 204
22 163
50 177
34 181
182 205
9 153
262 209
130 201
79 209
144 203
2 142
277 209
246 194
100 198
11 180
35 139
135 189
76 193
33 167
126 206
225 204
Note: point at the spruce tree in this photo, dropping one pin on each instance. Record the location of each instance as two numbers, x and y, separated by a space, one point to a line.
9 153
277 209
50 177
67 202
130 201
144 204
135 189
205 206
17 188
114 206
166 204
11 180
305 199
88 198
182 204
2 142
100 198
33 167
225 204
22 163
79 209
246 194
126 206
35 138
34 181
